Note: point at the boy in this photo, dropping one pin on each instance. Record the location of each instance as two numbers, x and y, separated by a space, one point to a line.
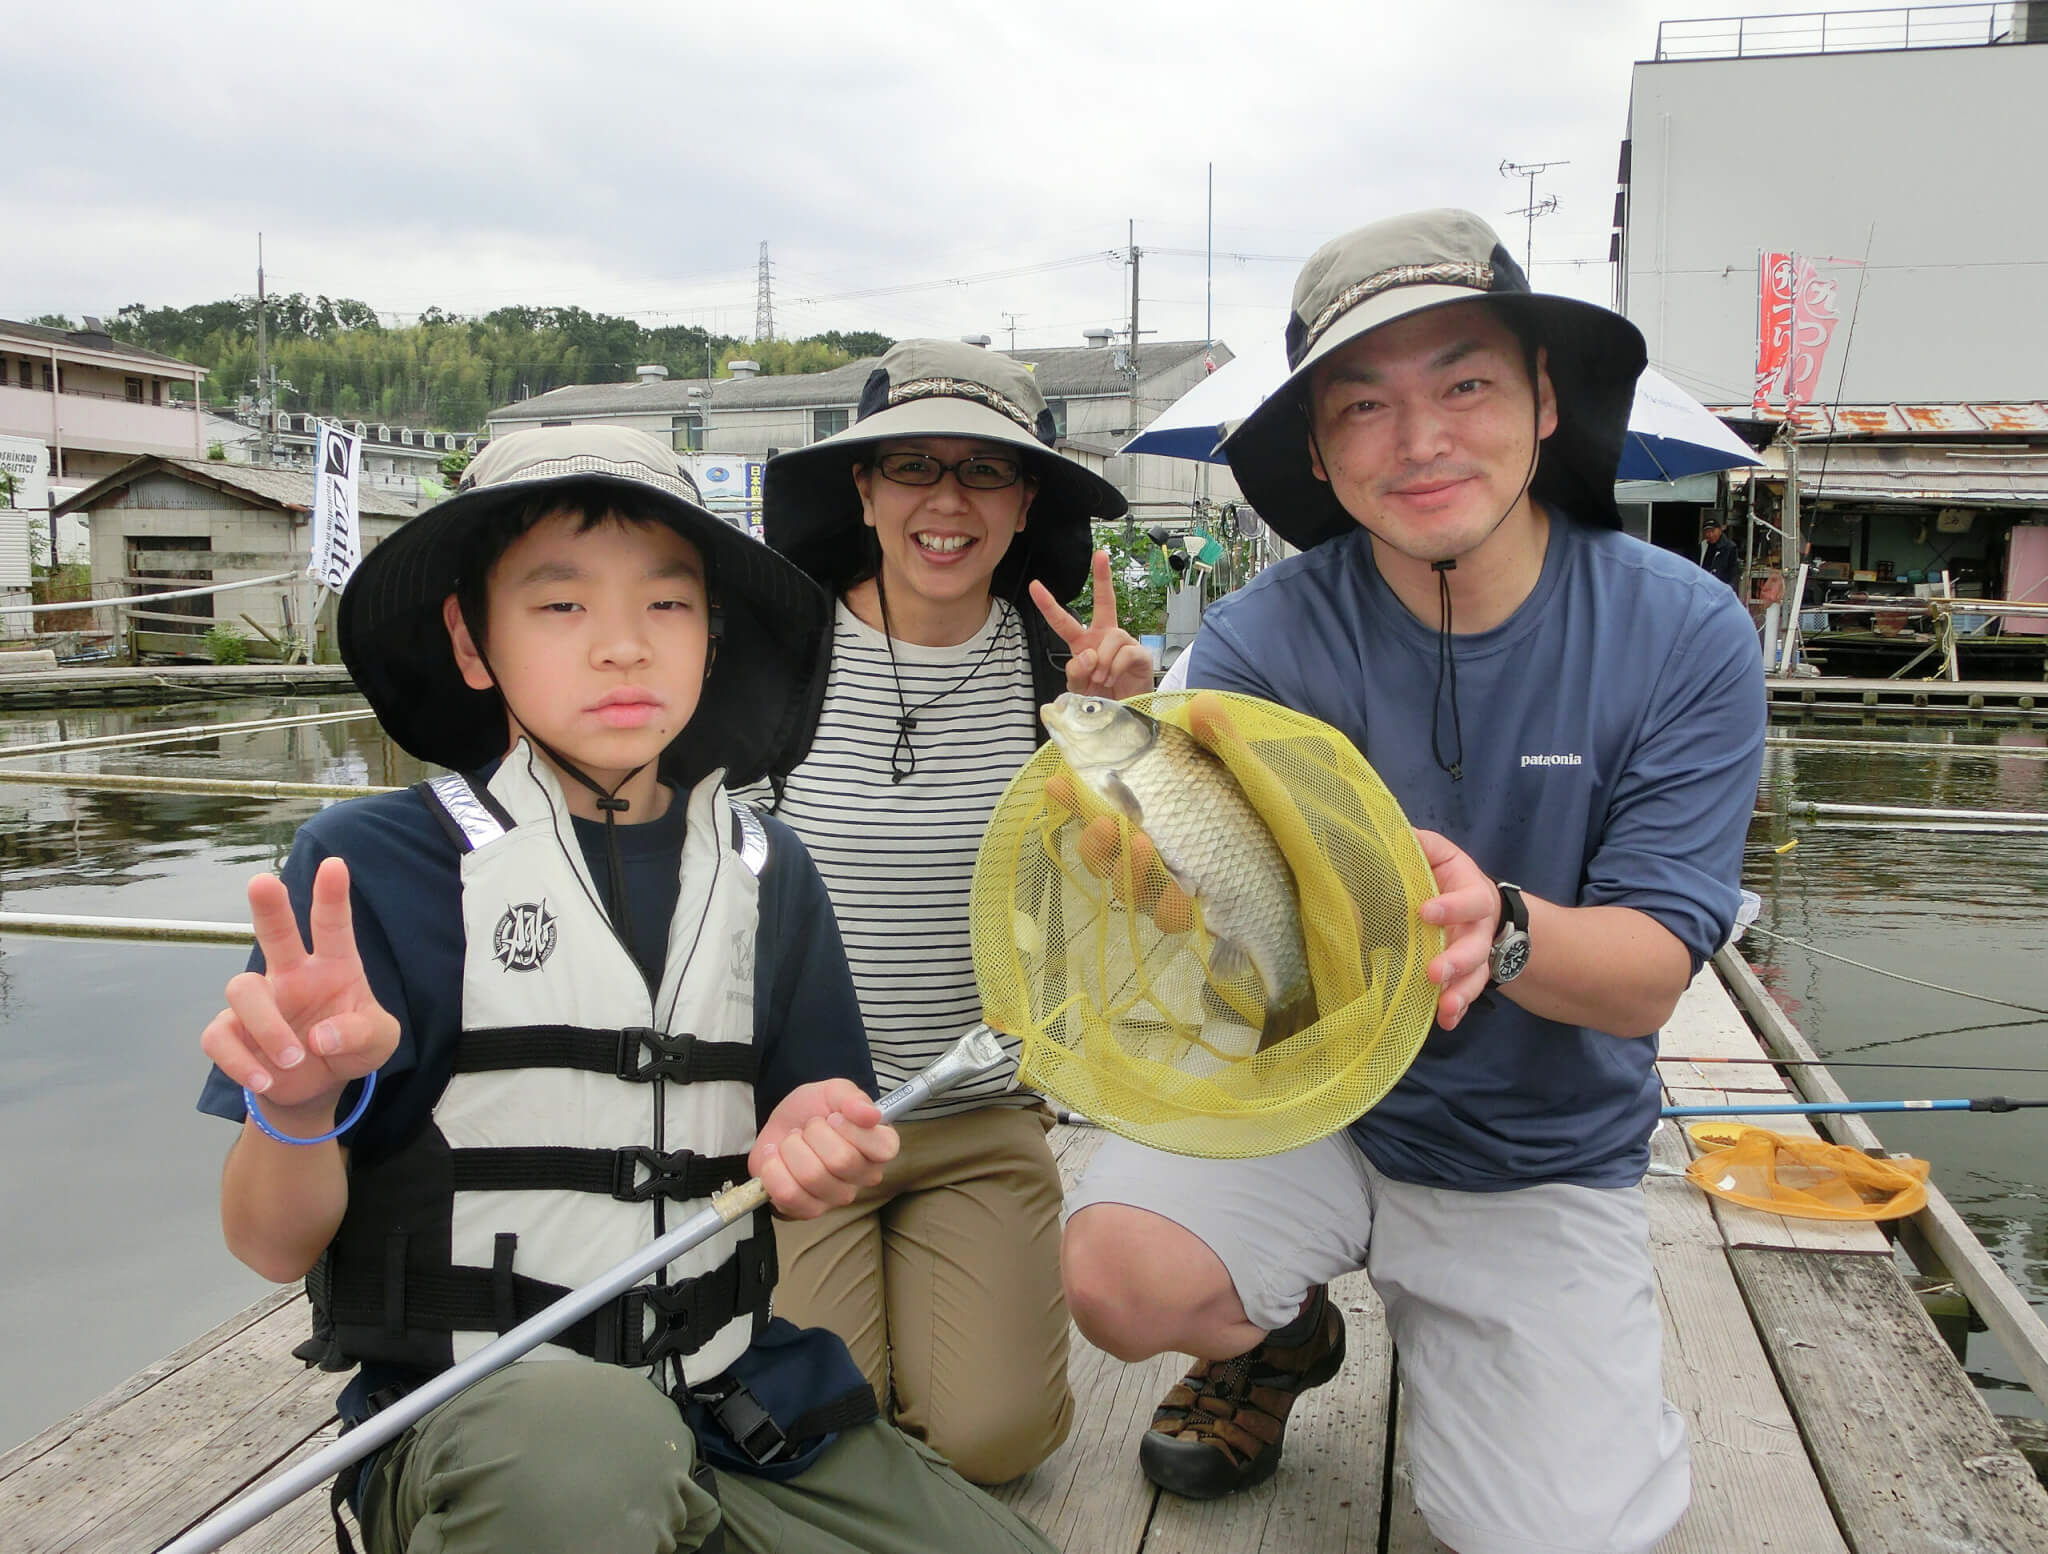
557 997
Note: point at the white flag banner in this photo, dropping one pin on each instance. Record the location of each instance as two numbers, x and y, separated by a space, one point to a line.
337 537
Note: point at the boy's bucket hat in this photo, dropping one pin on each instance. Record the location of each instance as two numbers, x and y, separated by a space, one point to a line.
1431 259
810 507
761 697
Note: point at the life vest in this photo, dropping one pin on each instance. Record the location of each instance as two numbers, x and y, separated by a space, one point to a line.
584 1112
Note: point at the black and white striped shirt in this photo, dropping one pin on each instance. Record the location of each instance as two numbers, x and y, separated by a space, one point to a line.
898 858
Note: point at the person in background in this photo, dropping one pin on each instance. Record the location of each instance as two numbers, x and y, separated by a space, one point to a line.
1719 555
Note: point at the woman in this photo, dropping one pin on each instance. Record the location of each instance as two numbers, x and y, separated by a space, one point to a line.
928 519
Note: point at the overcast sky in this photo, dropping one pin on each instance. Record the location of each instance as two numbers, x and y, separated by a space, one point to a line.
632 157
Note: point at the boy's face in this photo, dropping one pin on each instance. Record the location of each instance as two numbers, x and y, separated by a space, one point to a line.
597 639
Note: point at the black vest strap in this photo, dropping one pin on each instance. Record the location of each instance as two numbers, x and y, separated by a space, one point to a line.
638 1053
632 1175
686 1314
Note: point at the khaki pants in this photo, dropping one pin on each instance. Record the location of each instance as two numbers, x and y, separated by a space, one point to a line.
945 1283
562 1457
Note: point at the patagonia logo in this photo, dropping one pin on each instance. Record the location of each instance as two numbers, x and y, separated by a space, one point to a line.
1550 760
525 936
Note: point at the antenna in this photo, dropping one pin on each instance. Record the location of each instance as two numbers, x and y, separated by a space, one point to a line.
764 301
1535 207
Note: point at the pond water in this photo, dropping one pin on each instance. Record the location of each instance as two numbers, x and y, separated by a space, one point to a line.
114 1255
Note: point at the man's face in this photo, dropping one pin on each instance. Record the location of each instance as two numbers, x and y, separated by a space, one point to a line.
1427 428
598 638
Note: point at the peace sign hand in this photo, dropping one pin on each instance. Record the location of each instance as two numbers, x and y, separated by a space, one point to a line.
1107 661
298 1031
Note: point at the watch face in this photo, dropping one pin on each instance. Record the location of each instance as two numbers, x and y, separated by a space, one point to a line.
1510 958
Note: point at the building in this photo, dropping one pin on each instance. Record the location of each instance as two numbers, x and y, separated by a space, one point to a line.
161 524
395 458
1923 446
1097 402
95 402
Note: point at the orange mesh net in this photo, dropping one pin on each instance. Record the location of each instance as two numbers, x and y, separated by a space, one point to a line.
1807 1178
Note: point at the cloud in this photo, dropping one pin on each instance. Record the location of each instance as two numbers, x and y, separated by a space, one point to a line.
632 157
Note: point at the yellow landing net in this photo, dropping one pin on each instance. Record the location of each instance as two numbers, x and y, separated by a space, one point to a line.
1126 1021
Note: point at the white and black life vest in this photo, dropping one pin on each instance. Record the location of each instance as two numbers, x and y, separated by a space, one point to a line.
583 1113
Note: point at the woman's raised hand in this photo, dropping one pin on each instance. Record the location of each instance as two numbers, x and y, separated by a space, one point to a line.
1107 661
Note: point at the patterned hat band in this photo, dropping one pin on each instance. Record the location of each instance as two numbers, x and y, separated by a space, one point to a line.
1478 277
960 388
675 481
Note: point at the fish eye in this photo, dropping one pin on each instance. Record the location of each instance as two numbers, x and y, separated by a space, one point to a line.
1091 706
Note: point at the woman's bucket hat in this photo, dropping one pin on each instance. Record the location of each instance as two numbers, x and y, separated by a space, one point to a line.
773 624
810 507
1431 259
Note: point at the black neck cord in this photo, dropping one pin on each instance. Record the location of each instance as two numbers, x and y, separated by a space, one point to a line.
1446 668
902 755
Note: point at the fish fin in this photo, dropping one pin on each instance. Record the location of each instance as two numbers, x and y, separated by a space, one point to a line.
1116 792
1290 1021
1229 960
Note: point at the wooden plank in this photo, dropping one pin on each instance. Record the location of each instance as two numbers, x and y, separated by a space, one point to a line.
158 1462
1910 1457
2018 1328
1752 1487
304 1526
1326 1495
257 563
249 1316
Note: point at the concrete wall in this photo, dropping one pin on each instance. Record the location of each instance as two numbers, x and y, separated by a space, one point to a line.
1931 157
112 425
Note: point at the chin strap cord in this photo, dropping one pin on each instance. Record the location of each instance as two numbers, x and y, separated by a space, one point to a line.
1446 670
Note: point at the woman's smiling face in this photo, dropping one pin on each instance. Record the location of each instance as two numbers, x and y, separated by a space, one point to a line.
943 542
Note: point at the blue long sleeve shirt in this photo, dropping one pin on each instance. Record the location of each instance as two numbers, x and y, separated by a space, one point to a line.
1613 737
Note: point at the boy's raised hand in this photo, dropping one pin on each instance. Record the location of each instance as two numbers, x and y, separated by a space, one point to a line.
298 1031
1107 661
820 1146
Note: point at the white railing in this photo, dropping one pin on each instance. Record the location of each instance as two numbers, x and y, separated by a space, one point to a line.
1836 32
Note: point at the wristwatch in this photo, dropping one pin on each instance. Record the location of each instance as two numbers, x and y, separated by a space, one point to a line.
1510 952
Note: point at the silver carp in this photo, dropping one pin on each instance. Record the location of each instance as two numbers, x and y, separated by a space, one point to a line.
1210 839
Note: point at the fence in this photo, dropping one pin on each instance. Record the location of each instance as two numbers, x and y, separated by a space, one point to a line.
1839 32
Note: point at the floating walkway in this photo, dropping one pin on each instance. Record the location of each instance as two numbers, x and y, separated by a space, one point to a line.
1987 702
1827 1414
156 684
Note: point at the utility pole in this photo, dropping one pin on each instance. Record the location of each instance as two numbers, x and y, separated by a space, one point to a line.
1134 328
1535 207
1209 308
764 302
1010 323
263 391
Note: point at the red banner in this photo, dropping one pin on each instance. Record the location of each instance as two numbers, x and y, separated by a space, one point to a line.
1796 318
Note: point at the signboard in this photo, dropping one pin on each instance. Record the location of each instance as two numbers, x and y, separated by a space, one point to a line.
1796 317
731 485
337 539
24 507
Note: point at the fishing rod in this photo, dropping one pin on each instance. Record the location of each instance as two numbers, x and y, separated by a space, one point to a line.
1950 1068
973 1054
1982 1103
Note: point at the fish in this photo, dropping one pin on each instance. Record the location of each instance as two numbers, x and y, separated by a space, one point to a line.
1209 838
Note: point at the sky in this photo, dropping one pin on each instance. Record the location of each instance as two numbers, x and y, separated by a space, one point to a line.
974 168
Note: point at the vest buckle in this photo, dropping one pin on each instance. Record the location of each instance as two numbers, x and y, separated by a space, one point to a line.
667 1175
670 1060
740 1414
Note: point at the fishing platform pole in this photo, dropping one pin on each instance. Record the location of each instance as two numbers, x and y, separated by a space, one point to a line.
1982 1103
972 1055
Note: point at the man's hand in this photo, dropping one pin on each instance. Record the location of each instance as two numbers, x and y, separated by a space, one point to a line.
1108 661
820 1146
298 1031
1467 908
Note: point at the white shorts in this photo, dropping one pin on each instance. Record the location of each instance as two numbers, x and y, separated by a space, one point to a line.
1525 1328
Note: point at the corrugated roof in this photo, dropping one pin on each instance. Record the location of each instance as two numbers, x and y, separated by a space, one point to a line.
80 339
280 487
1064 372
1949 475
1962 419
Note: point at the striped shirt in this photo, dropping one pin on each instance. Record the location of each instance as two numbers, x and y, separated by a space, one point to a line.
898 858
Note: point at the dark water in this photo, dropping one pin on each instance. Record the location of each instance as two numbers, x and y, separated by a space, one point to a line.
1969 911
112 1249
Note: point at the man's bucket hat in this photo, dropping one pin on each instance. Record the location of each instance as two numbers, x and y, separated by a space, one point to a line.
810 507
1432 259
767 679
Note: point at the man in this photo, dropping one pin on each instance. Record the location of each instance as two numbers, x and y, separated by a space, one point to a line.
1719 555
1561 707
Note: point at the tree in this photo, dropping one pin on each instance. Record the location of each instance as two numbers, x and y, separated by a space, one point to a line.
52 321
858 343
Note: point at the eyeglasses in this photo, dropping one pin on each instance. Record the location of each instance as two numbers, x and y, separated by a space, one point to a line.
977 472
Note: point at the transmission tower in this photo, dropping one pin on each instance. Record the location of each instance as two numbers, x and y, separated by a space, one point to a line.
1535 207
764 301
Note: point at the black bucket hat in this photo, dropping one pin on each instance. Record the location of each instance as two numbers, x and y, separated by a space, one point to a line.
810 507
761 697
1432 259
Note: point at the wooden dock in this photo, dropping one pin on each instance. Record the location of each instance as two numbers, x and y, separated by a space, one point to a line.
1991 703
1827 1414
156 684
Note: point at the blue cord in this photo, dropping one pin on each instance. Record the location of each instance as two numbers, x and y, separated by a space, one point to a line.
362 1105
